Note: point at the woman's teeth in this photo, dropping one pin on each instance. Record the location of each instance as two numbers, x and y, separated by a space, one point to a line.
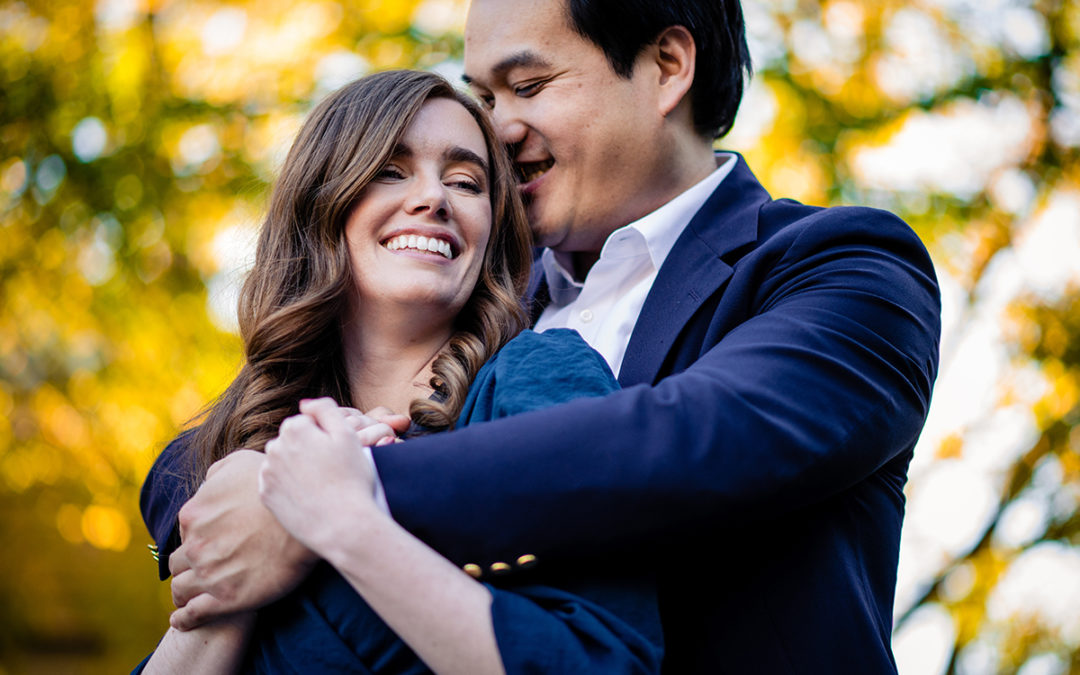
420 243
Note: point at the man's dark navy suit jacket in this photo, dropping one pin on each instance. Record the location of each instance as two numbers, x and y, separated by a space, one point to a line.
775 385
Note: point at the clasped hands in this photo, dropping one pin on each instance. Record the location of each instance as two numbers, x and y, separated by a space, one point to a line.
256 526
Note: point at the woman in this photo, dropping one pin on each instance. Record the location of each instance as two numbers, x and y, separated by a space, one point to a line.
388 273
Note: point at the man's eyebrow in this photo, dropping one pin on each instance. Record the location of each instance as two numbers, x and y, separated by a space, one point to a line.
523 59
460 154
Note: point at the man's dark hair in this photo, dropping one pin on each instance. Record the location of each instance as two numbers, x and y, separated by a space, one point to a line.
623 28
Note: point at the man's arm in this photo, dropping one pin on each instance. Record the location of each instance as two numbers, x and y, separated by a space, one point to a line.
826 380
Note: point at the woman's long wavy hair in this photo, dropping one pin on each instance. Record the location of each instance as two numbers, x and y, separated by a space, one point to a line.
293 303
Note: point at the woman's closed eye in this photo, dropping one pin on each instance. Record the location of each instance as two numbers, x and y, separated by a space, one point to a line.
390 172
467 184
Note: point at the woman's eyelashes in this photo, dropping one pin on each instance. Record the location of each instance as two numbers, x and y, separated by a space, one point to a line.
391 173
467 184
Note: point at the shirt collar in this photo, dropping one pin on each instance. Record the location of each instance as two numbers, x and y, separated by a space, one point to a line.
660 230
662 227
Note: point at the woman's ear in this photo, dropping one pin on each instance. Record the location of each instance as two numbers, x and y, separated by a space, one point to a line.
676 54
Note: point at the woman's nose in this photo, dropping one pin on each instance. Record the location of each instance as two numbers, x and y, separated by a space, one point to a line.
429 195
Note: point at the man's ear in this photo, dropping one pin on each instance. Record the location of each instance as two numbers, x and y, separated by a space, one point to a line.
676 54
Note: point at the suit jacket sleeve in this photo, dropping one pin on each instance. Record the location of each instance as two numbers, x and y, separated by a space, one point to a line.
812 371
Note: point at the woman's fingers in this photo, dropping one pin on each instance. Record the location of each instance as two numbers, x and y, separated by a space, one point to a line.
378 426
360 420
399 423
356 419
327 414
378 434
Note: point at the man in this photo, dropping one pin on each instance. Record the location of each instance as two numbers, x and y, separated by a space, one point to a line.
777 362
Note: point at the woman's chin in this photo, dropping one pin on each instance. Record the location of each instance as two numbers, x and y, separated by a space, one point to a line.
434 305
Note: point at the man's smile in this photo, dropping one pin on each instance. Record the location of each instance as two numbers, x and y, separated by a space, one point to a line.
530 171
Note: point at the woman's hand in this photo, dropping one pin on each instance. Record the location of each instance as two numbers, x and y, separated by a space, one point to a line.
318 483
378 426
315 479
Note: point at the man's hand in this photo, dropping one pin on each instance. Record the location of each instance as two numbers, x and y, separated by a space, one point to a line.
235 555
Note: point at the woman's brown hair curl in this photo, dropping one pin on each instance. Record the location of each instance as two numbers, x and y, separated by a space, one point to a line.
293 302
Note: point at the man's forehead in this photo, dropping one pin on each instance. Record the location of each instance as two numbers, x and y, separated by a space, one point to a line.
504 34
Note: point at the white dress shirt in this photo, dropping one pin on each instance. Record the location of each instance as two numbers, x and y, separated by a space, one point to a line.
605 307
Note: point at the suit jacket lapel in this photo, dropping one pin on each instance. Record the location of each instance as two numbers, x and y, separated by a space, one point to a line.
537 296
694 269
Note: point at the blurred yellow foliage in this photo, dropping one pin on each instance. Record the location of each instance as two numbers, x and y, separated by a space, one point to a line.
138 139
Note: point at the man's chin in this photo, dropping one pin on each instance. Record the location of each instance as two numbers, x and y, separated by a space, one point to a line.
545 236
549 230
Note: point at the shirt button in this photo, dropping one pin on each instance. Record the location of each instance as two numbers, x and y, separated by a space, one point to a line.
586 315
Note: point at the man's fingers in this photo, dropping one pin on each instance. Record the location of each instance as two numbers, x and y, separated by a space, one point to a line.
199 610
215 467
178 561
182 588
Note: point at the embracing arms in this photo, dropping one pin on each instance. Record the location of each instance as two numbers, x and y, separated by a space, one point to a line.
318 484
316 481
808 372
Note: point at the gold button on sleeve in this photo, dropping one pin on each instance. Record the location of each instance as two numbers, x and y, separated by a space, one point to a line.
473 570
526 561
499 568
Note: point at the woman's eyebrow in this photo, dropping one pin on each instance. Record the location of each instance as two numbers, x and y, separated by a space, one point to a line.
460 154
454 153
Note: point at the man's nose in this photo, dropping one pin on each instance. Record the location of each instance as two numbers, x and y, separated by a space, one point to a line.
508 126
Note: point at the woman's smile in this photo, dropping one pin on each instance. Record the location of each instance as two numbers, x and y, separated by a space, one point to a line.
424 240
